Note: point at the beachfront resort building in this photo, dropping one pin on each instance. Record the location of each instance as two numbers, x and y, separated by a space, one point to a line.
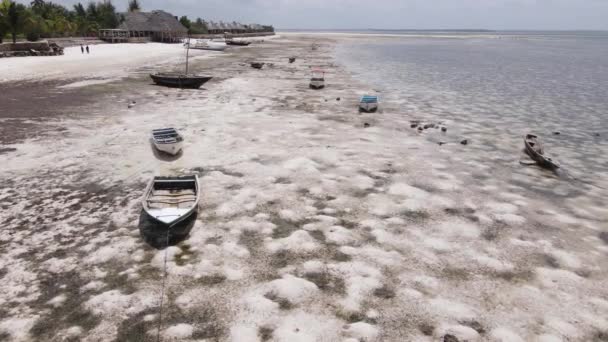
236 28
157 26
160 26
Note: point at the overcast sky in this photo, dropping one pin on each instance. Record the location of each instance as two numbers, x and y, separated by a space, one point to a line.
393 14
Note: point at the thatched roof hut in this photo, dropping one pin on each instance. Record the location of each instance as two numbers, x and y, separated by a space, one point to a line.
227 28
157 25
212 27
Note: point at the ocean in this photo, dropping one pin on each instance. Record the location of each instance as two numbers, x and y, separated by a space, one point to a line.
494 87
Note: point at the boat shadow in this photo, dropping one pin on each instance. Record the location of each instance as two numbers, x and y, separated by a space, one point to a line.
155 233
160 155
177 88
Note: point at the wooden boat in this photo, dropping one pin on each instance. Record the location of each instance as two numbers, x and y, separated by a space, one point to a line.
208 45
171 200
257 65
176 80
167 140
237 42
317 80
535 150
368 103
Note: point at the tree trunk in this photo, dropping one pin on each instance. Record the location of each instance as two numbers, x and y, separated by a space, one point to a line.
14 34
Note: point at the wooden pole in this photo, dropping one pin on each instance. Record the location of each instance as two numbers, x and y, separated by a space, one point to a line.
187 53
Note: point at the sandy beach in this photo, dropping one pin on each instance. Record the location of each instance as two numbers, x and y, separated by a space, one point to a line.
317 223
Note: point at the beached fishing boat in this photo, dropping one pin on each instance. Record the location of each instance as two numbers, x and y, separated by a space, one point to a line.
535 150
208 45
317 80
177 80
368 103
257 65
167 140
171 200
237 42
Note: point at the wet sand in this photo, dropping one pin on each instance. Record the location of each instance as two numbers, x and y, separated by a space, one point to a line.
313 226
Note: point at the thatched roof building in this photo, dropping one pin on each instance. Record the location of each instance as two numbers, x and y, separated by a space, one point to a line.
156 26
159 25
234 27
164 27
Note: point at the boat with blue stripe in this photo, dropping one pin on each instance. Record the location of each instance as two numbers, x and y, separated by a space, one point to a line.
368 103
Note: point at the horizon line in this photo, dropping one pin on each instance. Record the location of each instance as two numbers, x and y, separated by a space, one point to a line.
442 30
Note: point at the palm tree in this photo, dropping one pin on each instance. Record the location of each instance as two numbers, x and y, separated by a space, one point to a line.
80 11
134 6
16 19
4 26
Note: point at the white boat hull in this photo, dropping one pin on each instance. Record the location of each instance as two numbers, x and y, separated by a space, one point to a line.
368 107
171 148
170 200
211 46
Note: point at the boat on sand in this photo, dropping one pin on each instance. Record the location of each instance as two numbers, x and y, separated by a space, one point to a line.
167 140
208 45
317 80
170 200
237 42
368 103
536 151
177 80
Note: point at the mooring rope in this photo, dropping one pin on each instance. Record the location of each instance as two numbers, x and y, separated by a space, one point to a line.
162 290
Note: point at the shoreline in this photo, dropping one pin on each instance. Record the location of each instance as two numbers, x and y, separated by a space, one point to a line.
312 225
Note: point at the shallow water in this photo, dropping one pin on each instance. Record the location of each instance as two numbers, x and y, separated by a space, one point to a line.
493 91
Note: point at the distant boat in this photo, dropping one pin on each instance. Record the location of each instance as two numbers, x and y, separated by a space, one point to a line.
317 80
257 65
167 140
177 80
171 200
368 103
229 39
292 59
237 42
208 45
535 150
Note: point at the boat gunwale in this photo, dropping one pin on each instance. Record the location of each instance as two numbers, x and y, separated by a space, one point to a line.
537 154
178 179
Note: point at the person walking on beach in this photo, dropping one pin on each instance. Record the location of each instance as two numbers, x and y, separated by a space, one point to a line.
87 49
82 49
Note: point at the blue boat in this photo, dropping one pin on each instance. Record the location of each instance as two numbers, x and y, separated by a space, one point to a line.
368 103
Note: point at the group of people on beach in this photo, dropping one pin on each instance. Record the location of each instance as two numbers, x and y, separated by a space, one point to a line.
82 48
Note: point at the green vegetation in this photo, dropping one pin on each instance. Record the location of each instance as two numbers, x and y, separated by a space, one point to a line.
45 19
134 6
185 21
194 27
198 27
